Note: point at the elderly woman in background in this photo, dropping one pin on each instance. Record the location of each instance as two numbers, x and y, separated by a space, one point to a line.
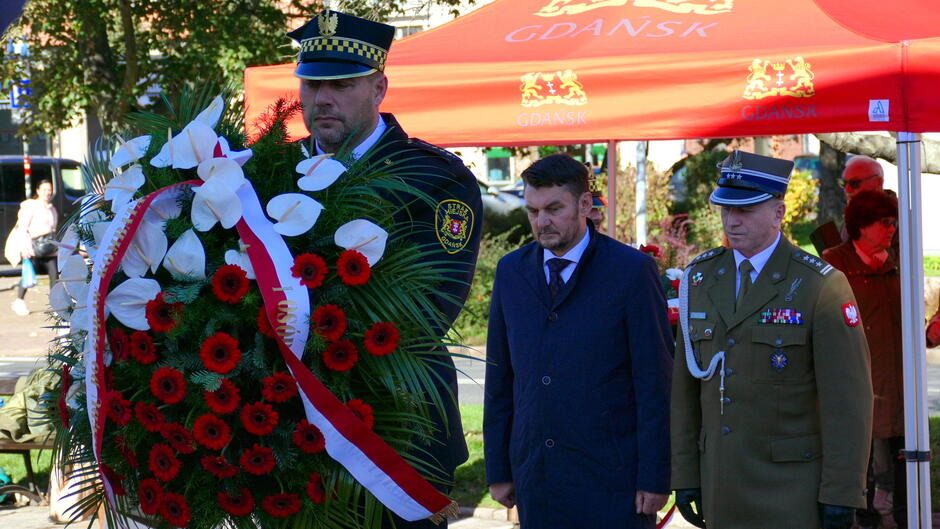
35 228
870 264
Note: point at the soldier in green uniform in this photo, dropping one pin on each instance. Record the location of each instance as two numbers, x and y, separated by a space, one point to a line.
772 398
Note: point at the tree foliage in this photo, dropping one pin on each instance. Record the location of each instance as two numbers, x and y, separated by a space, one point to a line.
102 57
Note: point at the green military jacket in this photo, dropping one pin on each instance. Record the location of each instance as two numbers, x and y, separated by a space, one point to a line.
794 429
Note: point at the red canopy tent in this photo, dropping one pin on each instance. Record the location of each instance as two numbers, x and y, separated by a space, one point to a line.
535 72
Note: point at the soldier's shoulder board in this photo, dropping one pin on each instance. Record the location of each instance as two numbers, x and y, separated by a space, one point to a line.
810 260
714 252
434 149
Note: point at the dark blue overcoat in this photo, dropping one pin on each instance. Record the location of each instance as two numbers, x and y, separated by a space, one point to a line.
576 411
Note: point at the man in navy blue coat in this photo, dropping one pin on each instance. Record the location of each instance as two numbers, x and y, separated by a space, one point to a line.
579 351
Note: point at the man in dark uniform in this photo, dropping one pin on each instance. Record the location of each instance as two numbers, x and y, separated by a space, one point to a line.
340 65
772 397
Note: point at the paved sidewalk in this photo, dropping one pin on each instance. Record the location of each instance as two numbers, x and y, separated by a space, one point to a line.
24 336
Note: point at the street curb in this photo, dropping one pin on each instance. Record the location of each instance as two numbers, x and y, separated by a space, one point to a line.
485 513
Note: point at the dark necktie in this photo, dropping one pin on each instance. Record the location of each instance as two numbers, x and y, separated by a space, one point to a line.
555 282
745 269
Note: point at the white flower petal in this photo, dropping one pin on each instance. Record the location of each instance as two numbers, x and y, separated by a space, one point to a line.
60 301
215 202
241 260
128 301
240 157
294 213
67 246
165 206
363 236
98 230
129 152
319 172
211 114
74 273
672 303
223 169
195 143
673 273
145 251
186 257
122 187
79 293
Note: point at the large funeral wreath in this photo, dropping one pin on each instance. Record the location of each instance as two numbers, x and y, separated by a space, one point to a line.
250 337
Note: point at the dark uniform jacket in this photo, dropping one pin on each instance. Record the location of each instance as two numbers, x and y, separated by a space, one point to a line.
452 225
879 298
576 409
796 426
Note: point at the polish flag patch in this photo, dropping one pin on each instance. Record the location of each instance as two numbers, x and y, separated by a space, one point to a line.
850 313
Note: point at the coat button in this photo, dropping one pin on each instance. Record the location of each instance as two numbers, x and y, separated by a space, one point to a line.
731 342
550 443
726 400
546 380
729 371
808 455
725 430
552 316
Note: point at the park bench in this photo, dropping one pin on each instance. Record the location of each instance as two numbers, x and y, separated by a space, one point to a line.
31 490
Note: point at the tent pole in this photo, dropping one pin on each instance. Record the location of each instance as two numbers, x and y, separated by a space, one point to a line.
916 438
612 188
642 148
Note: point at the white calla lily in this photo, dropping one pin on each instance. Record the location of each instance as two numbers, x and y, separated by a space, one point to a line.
74 273
363 236
128 301
674 273
146 250
60 301
98 230
194 144
294 213
166 206
240 259
319 172
223 169
129 151
186 257
120 189
215 202
211 114
67 246
240 157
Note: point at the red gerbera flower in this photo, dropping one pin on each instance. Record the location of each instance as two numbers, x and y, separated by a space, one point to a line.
218 466
315 490
167 384
257 460
361 410
281 505
310 268
149 416
150 494
179 437
341 355
259 418
651 249
114 479
174 509
353 268
163 316
230 283
119 343
120 410
223 400
142 348
220 353
308 437
126 451
163 462
264 326
240 504
279 387
329 321
211 431
381 338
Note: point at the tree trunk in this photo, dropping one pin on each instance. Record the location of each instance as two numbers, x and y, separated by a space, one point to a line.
881 147
831 197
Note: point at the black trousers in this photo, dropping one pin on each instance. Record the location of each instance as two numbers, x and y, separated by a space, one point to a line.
868 516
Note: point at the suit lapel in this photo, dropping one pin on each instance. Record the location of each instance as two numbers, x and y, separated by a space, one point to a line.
532 269
721 291
569 285
766 287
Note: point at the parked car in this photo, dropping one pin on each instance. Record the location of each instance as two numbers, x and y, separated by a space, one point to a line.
68 187
502 211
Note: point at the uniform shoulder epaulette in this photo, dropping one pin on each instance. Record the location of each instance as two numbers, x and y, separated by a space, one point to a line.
714 252
429 147
812 261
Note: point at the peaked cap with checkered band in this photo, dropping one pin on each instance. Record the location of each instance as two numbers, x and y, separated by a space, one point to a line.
335 45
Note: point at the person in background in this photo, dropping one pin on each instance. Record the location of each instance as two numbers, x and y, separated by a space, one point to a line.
598 207
36 223
870 264
579 355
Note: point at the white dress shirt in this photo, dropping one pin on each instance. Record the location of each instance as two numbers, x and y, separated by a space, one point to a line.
367 143
757 261
573 255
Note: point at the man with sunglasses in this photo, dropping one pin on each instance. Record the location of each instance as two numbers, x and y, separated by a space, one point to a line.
861 174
